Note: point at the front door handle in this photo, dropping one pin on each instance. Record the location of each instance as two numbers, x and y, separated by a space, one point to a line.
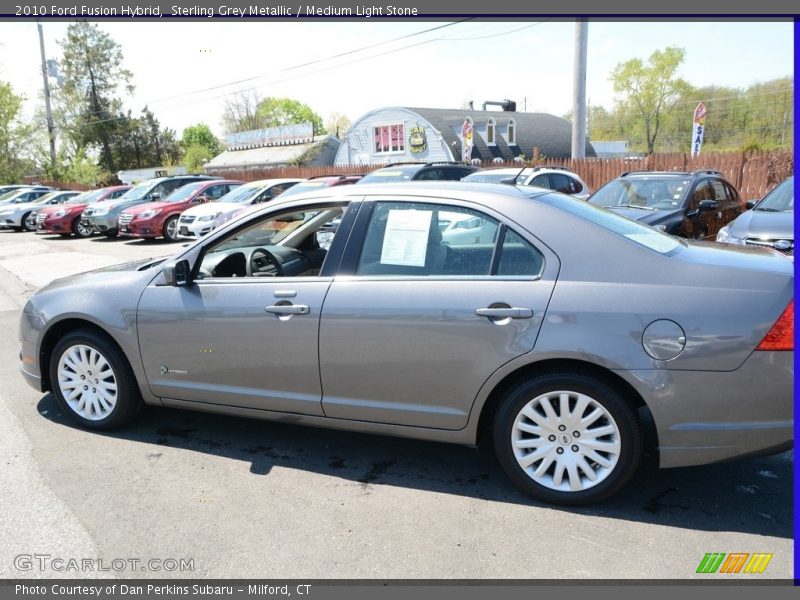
512 312
287 309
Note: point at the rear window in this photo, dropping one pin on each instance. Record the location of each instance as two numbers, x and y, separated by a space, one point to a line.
391 174
633 230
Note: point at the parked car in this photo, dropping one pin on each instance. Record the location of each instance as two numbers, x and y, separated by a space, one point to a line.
419 171
559 179
22 215
5 189
160 219
65 220
691 205
200 220
770 222
25 194
104 219
308 185
543 348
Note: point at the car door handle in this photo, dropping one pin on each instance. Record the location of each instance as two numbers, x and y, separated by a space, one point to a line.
287 309
512 312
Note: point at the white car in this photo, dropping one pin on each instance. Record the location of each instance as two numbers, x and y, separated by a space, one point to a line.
23 216
199 220
559 179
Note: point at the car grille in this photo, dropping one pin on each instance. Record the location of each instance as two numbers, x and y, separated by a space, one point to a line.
125 218
40 218
783 246
187 219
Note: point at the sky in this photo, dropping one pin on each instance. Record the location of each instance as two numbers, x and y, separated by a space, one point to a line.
183 71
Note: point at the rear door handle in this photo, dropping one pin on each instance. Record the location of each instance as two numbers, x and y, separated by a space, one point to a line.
512 312
287 309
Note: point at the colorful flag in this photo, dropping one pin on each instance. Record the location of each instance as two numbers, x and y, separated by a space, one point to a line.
698 128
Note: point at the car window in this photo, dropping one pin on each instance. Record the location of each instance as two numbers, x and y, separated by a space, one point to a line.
703 191
720 194
561 183
429 239
215 191
287 244
733 195
430 174
540 181
779 199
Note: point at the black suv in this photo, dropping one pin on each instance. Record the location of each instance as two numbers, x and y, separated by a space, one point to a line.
692 205
419 171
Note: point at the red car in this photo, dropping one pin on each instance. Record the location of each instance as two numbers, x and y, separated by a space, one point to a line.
64 219
160 219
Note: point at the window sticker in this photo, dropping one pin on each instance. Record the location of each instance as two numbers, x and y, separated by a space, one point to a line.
406 239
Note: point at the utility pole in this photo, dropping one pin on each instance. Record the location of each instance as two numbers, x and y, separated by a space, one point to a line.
50 128
579 89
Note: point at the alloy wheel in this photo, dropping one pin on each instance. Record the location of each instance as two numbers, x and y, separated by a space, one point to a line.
87 382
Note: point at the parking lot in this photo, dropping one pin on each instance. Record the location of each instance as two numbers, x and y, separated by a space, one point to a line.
242 498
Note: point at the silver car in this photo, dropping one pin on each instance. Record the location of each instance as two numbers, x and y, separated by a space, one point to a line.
564 340
769 223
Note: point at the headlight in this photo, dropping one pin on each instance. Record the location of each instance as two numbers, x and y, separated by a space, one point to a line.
726 237
152 212
208 217
99 212
6 211
60 213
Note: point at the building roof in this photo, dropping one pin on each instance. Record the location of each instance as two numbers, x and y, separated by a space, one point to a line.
277 155
551 134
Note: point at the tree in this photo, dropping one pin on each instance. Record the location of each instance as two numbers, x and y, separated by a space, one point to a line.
12 134
286 111
337 125
651 89
93 78
201 135
195 157
241 112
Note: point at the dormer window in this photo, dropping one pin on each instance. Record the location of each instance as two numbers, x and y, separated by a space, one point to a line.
490 125
511 132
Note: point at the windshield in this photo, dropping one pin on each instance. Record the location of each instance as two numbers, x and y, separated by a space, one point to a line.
138 191
305 186
654 194
391 174
86 197
241 194
781 199
184 193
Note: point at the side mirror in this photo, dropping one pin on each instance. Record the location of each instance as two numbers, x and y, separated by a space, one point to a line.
707 205
750 204
176 273
155 196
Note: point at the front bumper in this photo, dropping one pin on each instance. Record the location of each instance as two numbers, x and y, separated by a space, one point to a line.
30 335
54 225
704 417
195 229
103 224
144 228
10 221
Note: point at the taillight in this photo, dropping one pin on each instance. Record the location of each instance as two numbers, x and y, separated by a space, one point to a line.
781 336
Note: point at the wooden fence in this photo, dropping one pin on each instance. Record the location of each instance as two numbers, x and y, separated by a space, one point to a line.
752 173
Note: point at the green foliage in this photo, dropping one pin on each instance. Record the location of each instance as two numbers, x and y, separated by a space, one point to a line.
195 157
286 111
651 91
12 136
84 170
759 117
201 135
337 125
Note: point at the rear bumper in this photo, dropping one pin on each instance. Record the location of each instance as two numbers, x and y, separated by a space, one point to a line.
704 417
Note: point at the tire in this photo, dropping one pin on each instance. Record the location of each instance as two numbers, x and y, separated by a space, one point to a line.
79 230
26 224
567 470
170 229
110 234
93 381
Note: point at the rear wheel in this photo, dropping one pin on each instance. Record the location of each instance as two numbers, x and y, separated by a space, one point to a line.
567 438
92 380
170 229
80 230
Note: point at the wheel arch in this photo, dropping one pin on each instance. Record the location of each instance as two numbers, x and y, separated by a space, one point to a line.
573 367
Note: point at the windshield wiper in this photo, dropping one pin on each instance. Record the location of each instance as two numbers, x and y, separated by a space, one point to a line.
767 209
631 206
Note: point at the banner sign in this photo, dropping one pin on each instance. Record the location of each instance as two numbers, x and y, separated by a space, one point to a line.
272 136
698 128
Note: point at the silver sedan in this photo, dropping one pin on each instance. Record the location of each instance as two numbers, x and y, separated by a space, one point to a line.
565 337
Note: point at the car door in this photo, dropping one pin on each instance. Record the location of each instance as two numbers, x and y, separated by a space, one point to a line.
241 337
415 323
700 217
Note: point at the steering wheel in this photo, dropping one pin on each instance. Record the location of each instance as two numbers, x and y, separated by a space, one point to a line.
260 261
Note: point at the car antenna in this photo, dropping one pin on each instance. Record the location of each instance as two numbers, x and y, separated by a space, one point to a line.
513 180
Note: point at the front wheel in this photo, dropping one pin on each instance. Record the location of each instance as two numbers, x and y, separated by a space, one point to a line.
567 438
29 222
80 230
92 380
170 229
